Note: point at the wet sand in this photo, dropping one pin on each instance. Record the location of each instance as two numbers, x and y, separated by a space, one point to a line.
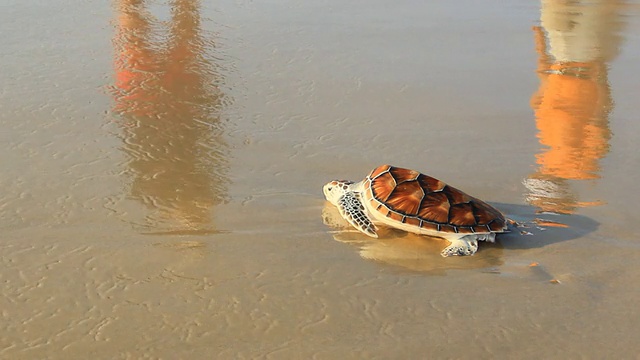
163 164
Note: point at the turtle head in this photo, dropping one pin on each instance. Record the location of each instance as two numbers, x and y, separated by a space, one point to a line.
333 190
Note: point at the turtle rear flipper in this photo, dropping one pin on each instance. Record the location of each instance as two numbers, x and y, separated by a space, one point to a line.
466 245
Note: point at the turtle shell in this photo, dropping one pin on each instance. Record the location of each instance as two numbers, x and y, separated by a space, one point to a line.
427 204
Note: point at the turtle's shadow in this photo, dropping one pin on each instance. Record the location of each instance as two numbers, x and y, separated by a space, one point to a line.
536 230
418 253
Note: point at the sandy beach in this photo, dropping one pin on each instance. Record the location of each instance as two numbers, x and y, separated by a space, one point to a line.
163 164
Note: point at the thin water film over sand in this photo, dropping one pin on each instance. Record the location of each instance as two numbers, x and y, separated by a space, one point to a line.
163 164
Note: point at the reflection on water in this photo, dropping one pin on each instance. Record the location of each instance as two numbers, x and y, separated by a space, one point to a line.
169 104
421 253
410 252
573 102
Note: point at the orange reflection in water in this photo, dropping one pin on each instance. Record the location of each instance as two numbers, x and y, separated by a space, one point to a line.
169 104
573 102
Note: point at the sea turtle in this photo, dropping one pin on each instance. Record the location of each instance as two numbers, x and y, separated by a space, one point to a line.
417 203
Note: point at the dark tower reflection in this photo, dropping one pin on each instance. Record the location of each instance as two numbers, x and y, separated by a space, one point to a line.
169 103
576 41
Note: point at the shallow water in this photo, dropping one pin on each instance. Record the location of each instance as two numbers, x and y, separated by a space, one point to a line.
163 164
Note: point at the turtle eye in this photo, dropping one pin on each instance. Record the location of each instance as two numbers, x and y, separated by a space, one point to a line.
329 188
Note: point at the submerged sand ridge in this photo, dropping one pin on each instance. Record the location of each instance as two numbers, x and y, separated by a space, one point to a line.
163 165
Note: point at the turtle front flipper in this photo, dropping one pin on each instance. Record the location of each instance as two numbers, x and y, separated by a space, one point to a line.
353 211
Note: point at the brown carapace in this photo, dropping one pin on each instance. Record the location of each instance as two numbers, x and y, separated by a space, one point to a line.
428 204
